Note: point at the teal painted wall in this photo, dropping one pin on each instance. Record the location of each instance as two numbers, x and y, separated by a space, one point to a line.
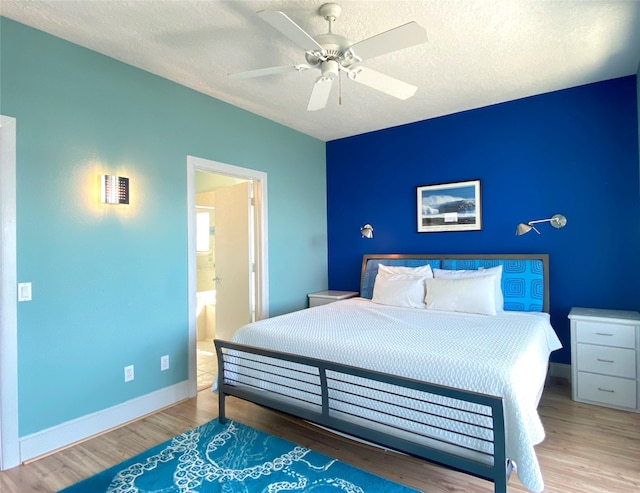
110 282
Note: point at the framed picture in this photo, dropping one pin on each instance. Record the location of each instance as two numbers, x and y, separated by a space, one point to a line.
449 207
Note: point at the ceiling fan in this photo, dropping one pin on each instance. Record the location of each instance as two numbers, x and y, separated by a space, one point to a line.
333 54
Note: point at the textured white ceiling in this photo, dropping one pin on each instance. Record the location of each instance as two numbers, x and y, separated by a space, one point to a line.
480 52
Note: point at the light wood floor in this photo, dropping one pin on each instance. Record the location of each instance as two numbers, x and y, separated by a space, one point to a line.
206 364
588 449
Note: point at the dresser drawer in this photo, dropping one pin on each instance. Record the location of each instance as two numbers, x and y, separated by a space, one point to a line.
612 361
606 334
612 391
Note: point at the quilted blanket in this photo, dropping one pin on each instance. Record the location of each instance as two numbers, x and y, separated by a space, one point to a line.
504 355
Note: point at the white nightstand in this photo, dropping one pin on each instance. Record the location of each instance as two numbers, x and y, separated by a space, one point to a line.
605 357
324 297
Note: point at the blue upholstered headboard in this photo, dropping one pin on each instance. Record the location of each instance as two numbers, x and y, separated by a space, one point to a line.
525 278
370 265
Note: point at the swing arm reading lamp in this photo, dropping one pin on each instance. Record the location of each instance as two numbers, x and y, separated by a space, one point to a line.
557 221
367 231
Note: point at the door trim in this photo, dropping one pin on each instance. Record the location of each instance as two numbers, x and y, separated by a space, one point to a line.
261 245
9 434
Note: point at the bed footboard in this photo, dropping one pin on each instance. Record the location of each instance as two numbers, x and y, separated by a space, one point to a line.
458 429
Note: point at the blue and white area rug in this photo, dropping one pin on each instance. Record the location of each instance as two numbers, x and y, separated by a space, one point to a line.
232 458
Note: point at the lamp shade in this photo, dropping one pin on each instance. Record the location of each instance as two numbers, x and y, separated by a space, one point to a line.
114 189
523 228
367 231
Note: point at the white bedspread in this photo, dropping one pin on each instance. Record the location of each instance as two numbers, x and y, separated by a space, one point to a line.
504 355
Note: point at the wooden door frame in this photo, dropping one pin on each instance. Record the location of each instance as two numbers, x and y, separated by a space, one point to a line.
260 237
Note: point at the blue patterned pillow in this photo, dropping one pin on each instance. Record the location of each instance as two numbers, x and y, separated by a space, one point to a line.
371 270
522 280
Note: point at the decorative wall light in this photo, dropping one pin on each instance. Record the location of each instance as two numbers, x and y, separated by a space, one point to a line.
367 231
557 221
114 189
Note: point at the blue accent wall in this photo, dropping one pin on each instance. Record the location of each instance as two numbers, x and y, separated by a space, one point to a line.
110 282
573 152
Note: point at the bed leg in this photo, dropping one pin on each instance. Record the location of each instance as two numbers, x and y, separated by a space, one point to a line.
510 469
500 485
221 403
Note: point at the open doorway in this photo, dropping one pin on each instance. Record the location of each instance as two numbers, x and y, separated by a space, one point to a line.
227 251
225 256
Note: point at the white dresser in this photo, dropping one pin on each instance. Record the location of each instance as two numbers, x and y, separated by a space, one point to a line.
605 357
324 297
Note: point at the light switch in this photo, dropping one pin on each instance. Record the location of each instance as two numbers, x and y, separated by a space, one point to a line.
24 291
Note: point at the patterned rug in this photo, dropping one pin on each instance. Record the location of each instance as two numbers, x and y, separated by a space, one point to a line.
232 458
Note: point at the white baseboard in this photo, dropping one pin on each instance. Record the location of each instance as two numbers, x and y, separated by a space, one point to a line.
62 435
56 437
560 370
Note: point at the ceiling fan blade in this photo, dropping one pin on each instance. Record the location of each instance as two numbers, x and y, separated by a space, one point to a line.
286 26
269 71
401 37
384 83
320 93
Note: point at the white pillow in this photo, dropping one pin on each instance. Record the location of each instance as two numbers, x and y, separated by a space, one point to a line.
422 271
460 274
399 290
465 294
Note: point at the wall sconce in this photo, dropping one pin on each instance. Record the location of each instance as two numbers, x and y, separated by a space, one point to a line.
367 231
114 189
557 221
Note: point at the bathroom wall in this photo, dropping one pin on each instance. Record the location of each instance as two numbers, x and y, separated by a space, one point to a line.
205 261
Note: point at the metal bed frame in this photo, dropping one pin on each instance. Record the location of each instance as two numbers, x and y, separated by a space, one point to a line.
320 398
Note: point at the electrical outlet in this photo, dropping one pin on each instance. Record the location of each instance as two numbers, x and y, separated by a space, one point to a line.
164 362
128 373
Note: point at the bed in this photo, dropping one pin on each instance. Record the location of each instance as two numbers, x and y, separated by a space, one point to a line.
443 357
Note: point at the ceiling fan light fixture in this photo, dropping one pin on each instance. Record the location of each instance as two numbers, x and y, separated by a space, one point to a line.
330 69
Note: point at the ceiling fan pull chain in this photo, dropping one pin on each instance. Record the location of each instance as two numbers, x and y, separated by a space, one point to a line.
340 88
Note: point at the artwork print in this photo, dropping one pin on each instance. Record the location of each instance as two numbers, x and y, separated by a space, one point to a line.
449 207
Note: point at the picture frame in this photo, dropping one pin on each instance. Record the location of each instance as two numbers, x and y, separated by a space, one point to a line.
449 207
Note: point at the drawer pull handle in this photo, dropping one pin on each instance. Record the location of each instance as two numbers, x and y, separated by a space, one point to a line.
603 334
606 390
605 360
